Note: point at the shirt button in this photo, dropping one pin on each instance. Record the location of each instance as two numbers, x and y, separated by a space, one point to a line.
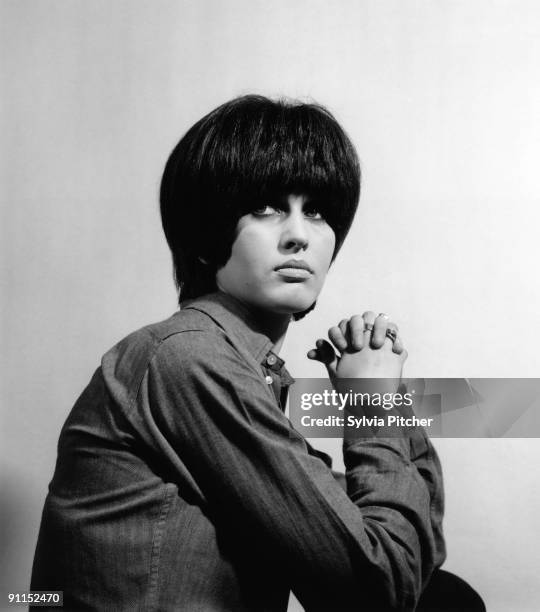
271 359
269 380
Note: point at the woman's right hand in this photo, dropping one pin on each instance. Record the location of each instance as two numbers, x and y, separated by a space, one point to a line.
361 352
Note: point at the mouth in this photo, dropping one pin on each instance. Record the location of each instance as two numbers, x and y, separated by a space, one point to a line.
294 269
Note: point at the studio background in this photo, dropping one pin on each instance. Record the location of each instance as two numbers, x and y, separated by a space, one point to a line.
441 100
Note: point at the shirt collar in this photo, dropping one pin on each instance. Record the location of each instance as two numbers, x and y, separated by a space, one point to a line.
237 321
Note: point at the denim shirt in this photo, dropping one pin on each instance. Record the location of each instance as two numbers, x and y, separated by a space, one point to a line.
181 485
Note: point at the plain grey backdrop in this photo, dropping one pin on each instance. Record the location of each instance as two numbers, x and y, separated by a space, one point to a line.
441 99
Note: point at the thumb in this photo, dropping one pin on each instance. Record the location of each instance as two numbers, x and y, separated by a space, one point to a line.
324 352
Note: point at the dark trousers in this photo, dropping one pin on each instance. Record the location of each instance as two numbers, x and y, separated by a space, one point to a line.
449 593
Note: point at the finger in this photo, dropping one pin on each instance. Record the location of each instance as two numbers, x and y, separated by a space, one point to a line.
323 356
338 338
317 355
325 352
380 326
328 356
369 317
344 327
397 345
393 341
356 332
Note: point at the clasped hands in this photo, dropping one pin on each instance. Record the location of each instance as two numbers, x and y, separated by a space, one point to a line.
359 347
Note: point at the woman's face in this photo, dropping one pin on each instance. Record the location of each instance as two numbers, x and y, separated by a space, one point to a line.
280 256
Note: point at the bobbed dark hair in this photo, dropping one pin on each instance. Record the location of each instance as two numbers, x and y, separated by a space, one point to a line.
239 156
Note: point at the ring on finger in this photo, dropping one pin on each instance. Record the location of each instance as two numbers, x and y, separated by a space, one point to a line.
368 327
391 333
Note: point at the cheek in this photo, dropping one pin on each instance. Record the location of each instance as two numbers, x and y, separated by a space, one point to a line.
248 249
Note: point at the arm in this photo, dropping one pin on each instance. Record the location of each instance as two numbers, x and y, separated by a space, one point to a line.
255 471
427 462
349 337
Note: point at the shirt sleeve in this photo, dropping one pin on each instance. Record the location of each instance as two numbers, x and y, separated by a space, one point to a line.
427 462
376 548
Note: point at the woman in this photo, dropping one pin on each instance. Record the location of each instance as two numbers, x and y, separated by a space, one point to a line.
180 484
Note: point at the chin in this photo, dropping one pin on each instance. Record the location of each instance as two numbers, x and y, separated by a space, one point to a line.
294 301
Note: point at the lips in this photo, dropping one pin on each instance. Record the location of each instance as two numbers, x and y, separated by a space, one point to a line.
297 264
294 271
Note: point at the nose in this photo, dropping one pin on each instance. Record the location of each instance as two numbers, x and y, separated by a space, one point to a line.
294 236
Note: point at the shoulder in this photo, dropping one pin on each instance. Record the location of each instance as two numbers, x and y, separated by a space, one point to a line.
202 352
183 340
144 341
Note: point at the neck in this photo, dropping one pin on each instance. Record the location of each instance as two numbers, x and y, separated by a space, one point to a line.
276 326
271 324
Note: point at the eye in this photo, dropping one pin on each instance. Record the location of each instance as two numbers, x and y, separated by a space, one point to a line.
312 213
265 211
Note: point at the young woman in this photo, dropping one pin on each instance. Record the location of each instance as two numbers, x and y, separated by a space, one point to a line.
180 484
